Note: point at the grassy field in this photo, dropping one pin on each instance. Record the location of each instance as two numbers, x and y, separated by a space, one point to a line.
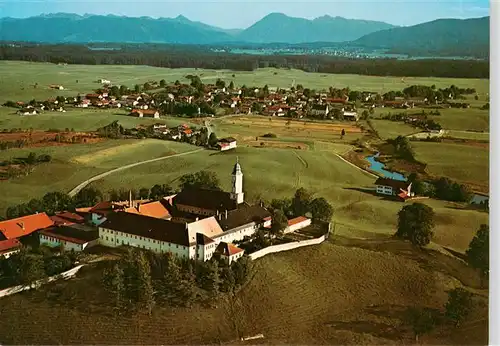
391 129
247 129
17 79
480 136
464 119
72 164
461 162
79 119
346 292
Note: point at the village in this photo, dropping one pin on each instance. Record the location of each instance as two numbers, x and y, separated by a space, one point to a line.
157 99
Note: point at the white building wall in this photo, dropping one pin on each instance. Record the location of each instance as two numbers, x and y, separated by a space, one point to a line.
10 253
238 234
54 242
205 252
112 238
384 190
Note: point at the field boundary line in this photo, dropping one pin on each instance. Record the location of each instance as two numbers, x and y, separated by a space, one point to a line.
80 186
361 169
304 162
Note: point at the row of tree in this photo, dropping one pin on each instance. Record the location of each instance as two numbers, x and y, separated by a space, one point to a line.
441 188
141 279
201 57
31 264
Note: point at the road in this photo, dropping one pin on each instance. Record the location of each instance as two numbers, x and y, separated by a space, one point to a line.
77 189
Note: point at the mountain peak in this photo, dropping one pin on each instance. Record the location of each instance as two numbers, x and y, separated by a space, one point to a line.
181 18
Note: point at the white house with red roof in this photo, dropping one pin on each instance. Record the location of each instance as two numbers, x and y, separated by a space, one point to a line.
25 225
297 223
9 247
229 252
69 238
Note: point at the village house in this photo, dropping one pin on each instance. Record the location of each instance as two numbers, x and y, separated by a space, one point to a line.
226 143
392 187
297 223
68 238
56 86
8 247
229 252
27 111
351 116
319 110
145 113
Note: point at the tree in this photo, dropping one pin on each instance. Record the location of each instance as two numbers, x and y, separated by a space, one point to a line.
88 196
242 270
279 222
422 321
365 115
31 159
212 140
144 287
459 305
160 191
478 252
301 202
200 180
137 88
231 85
284 205
220 84
209 277
144 193
56 201
416 223
163 83
321 209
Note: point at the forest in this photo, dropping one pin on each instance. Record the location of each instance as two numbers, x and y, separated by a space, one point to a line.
187 56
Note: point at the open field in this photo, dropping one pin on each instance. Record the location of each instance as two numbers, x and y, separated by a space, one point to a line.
462 162
17 79
388 129
247 128
355 292
72 164
79 119
479 136
464 119
270 173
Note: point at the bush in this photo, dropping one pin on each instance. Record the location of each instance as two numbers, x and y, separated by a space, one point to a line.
269 135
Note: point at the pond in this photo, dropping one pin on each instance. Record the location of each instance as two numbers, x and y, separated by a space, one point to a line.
378 167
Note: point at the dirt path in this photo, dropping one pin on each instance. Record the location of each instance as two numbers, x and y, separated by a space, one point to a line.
77 189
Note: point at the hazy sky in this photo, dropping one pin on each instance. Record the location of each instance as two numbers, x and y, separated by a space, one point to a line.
241 14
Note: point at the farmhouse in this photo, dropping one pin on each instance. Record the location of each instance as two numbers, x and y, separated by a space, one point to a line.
352 116
226 143
27 111
56 86
229 252
297 223
23 226
68 237
9 247
391 187
319 110
142 113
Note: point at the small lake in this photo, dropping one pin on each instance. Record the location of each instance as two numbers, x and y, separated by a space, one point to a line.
378 167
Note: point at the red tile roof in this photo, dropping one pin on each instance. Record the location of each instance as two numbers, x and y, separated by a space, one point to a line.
67 218
21 226
9 245
154 209
228 249
297 220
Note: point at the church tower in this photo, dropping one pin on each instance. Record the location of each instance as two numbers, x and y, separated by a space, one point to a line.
237 183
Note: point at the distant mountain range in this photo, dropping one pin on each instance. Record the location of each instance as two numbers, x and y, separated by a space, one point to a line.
450 35
455 36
